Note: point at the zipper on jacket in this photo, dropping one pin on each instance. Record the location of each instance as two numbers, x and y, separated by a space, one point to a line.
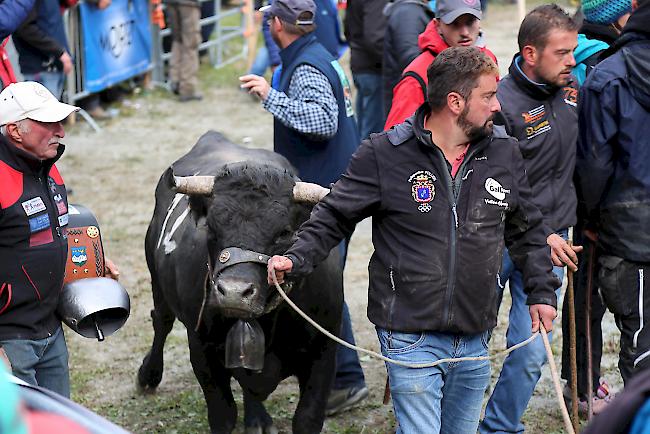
454 186
53 212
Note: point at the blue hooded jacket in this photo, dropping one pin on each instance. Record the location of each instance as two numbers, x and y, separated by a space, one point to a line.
586 48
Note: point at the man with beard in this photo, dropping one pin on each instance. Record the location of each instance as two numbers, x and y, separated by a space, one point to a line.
539 108
439 226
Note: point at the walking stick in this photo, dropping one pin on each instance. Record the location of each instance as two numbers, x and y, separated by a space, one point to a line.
572 351
590 368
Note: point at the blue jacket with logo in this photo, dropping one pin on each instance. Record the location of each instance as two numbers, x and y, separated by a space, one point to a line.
438 240
318 161
33 243
613 157
544 119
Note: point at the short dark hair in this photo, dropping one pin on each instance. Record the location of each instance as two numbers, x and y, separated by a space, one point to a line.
456 69
541 21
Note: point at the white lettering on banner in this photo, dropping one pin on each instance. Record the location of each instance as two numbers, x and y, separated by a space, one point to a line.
32 206
493 187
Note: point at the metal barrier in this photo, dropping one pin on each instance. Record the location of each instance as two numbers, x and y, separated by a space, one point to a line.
217 46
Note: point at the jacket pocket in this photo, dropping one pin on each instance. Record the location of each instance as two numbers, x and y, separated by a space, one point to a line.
613 285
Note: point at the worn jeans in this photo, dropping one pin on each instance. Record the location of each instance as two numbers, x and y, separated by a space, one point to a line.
370 116
523 367
52 80
445 399
41 362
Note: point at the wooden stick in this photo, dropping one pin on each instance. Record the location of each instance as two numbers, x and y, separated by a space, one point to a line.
572 351
556 380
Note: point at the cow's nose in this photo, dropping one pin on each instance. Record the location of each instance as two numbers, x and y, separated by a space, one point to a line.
236 288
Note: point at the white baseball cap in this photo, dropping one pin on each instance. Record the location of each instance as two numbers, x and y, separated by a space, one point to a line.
31 100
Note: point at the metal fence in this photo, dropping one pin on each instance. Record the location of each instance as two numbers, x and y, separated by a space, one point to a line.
225 45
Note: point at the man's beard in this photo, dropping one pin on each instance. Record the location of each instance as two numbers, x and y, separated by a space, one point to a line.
474 132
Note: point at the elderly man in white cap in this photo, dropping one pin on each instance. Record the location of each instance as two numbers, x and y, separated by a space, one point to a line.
33 242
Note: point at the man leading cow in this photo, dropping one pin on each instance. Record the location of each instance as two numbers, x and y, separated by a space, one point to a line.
438 234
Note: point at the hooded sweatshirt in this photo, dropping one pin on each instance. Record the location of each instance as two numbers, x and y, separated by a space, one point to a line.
613 155
410 91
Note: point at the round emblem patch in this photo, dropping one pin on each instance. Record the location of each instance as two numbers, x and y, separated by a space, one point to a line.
92 231
422 189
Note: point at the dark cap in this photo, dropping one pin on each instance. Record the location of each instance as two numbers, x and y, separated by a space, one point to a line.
449 10
296 12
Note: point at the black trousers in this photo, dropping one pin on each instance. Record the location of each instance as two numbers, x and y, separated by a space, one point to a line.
624 286
597 313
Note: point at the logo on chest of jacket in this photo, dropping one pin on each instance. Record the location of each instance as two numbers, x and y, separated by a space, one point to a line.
534 115
570 96
422 189
33 206
497 191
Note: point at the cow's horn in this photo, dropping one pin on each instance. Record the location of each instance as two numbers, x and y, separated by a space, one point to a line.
194 184
308 192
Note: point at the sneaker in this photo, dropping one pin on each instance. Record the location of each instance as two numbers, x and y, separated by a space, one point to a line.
599 401
343 399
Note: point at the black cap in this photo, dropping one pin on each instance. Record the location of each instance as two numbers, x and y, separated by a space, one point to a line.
297 12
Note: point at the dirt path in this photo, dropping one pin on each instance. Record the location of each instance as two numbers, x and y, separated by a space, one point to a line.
114 173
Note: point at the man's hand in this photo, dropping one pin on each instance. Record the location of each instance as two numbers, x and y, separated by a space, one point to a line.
255 85
66 60
111 270
562 253
278 265
544 312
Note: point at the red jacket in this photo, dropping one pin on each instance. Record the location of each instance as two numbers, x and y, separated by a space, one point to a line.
408 94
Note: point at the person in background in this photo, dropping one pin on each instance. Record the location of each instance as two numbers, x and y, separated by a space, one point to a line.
457 24
405 20
183 17
42 47
539 108
613 181
365 25
12 15
602 25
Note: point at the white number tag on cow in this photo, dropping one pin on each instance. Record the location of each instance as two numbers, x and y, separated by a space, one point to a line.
32 206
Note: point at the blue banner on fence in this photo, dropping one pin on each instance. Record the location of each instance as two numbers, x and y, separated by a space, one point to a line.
117 42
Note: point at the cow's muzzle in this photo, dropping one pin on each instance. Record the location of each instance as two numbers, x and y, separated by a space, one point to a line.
238 296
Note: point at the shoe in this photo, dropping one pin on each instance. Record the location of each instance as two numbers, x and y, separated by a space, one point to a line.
190 97
343 399
599 402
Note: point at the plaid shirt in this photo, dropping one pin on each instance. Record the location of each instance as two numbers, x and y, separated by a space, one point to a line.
309 106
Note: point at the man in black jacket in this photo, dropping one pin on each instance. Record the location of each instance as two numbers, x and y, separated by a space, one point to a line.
539 106
445 192
365 25
33 243
613 180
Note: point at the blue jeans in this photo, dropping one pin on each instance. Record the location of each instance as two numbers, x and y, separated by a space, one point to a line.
521 368
370 112
42 362
445 399
262 61
52 80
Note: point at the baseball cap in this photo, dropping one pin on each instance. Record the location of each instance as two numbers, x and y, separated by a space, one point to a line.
31 100
297 12
449 10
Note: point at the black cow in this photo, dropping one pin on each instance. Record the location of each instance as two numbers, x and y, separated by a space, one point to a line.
207 252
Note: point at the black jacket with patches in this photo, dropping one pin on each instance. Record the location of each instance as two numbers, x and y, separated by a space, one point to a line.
33 244
438 241
544 119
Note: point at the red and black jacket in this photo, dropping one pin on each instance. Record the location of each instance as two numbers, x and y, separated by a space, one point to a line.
33 243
